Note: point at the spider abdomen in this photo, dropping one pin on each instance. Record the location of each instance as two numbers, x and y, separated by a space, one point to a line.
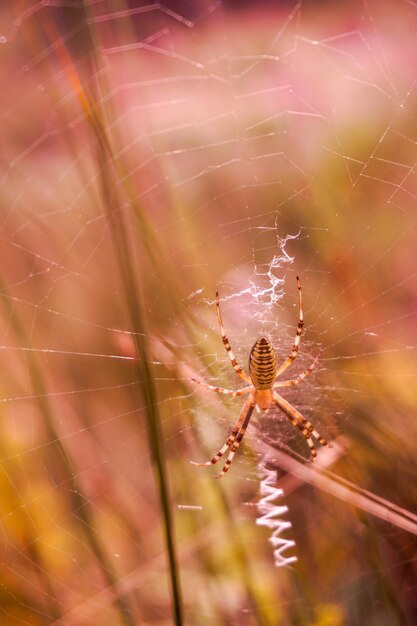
262 364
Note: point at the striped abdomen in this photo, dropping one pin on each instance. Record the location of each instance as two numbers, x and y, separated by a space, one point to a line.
262 364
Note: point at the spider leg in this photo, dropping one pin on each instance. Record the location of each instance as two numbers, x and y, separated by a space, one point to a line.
227 392
298 334
247 409
306 428
295 381
239 371
238 440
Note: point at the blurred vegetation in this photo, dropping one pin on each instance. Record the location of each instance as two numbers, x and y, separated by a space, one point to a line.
150 156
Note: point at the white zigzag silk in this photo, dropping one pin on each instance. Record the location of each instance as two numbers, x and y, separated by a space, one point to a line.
271 514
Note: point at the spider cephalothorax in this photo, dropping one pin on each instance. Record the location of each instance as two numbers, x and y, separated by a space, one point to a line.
263 370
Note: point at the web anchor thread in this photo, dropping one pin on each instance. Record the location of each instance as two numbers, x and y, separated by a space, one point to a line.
271 514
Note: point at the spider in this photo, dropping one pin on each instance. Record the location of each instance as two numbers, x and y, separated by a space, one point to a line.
263 371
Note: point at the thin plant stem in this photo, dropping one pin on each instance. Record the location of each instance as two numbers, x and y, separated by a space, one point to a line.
79 502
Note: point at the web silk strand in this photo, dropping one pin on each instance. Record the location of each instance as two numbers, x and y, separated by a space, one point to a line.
271 516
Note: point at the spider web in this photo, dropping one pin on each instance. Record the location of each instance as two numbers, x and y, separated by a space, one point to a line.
237 147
